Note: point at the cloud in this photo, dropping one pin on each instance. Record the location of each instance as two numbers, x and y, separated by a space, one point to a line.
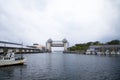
35 21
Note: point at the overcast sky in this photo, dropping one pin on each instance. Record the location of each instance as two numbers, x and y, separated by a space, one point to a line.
35 21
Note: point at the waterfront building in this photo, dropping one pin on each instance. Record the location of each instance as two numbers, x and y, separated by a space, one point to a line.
104 49
38 46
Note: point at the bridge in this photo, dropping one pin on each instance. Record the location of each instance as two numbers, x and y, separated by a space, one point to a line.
18 48
50 43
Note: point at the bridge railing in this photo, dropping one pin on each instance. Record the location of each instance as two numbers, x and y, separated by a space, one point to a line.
16 46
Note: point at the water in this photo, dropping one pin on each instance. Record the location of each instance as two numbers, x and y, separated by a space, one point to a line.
59 66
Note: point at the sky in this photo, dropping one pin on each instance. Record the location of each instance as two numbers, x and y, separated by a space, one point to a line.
79 21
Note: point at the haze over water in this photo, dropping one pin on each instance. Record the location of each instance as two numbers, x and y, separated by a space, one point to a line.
59 66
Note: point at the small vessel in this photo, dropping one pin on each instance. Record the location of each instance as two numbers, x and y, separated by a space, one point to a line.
10 59
90 51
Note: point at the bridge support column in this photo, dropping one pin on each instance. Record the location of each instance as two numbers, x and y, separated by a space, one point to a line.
48 45
65 46
65 42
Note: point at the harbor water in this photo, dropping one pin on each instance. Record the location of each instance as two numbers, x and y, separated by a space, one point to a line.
59 66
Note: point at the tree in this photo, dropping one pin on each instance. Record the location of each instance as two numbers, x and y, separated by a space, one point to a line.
113 42
85 46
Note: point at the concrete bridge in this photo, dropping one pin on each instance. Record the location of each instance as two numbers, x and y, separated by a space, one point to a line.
18 48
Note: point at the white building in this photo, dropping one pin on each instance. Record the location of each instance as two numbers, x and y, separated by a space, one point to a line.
104 49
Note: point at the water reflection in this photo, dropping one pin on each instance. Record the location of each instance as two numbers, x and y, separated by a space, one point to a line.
12 72
64 67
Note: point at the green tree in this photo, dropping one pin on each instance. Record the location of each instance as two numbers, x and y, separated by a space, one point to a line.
113 42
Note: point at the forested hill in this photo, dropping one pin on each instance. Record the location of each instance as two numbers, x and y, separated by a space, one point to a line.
85 46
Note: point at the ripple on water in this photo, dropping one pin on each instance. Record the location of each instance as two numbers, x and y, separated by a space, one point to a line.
58 66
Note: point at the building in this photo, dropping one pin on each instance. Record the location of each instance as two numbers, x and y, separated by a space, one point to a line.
38 46
104 49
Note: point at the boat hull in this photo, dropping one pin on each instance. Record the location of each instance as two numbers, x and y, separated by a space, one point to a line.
11 62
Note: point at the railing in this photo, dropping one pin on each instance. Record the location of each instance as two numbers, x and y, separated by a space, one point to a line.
4 46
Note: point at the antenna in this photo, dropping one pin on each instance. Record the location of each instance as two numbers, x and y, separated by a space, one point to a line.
21 50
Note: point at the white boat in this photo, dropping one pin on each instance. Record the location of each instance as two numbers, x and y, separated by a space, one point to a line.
118 52
107 52
90 51
10 59
113 52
